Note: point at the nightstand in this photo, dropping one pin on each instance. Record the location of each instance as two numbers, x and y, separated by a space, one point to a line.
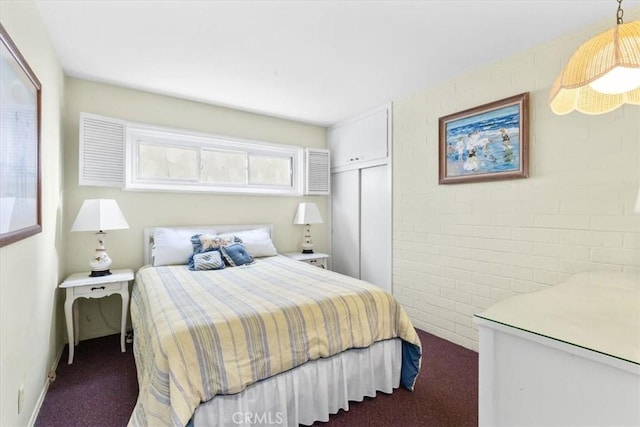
80 285
317 259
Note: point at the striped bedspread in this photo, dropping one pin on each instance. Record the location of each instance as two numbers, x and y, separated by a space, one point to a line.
202 333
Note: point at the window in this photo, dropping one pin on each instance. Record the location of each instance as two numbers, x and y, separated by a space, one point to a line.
174 160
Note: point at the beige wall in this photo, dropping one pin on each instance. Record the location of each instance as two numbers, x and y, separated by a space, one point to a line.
144 209
30 269
457 249
460 248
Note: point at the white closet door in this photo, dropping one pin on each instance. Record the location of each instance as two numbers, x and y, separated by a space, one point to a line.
375 226
345 220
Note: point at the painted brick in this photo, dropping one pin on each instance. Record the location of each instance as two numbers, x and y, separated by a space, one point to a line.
492 232
465 331
470 265
457 274
537 207
615 223
457 230
500 294
549 277
406 302
479 243
481 302
562 251
491 281
473 289
592 238
527 234
456 296
575 267
631 241
615 256
512 272
580 222
472 242
456 252
444 282
464 320
524 286
467 309
441 302
513 246
633 272
576 207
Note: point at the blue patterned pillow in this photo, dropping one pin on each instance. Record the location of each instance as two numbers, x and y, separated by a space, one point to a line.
236 254
207 242
211 260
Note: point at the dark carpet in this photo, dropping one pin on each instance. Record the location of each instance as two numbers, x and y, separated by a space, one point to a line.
100 389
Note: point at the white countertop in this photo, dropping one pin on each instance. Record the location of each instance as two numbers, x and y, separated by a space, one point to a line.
599 311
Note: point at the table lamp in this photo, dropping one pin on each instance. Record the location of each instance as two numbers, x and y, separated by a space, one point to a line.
100 215
307 214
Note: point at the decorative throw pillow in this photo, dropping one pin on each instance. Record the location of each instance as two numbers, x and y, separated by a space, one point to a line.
236 254
207 242
211 260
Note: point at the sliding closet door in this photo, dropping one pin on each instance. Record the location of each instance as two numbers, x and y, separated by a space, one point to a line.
345 222
375 226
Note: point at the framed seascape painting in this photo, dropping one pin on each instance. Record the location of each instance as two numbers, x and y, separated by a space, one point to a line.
20 193
485 143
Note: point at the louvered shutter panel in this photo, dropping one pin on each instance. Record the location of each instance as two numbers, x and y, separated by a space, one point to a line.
102 143
317 172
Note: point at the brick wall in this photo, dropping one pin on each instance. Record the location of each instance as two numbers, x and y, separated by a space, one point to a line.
459 248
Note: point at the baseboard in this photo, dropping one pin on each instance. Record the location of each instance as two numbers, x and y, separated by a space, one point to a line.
45 388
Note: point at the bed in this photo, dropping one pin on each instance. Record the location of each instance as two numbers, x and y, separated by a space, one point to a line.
271 342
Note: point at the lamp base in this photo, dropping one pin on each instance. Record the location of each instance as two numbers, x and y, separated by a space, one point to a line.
101 261
307 243
100 273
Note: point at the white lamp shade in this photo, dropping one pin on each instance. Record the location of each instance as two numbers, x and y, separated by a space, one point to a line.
637 206
308 213
98 215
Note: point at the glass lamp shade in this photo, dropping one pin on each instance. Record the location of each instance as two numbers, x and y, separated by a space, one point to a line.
602 75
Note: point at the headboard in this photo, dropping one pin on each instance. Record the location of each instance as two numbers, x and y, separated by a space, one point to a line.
224 228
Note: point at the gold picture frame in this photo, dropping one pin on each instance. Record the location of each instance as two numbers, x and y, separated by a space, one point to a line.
486 143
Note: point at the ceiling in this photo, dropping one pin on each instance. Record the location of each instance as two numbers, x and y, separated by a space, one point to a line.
318 62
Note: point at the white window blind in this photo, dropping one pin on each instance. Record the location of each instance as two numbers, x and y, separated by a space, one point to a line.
101 160
317 172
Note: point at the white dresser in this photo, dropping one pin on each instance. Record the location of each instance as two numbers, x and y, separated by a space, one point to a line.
565 356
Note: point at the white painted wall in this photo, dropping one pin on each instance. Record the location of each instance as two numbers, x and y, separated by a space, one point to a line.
144 209
457 248
460 248
31 268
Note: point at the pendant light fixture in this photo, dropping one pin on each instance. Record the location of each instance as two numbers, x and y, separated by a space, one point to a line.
603 74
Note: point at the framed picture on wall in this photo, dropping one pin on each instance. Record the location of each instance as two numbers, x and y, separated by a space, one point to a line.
20 192
486 143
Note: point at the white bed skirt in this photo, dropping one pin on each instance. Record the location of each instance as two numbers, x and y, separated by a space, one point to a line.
310 392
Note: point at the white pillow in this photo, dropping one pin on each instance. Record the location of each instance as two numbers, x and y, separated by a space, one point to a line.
172 246
257 242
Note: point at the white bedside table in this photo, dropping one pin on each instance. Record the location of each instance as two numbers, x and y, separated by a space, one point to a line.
316 258
80 285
